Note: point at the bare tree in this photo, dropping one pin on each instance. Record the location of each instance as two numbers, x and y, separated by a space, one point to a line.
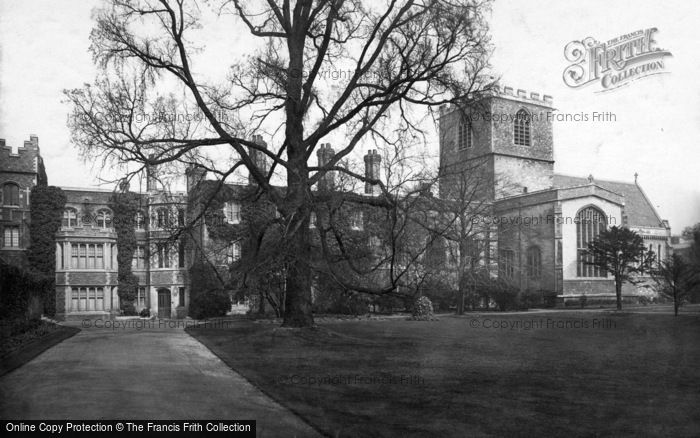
398 59
676 279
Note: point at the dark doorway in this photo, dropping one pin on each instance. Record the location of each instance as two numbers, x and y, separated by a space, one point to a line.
163 303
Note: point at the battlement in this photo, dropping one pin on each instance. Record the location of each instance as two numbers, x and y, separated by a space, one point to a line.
511 93
32 143
23 160
522 95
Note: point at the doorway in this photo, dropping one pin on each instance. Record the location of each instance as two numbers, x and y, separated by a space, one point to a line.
163 303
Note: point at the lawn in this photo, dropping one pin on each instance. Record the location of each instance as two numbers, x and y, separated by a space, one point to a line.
547 374
21 341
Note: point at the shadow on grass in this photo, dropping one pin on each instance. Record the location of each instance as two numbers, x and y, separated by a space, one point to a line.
32 345
491 374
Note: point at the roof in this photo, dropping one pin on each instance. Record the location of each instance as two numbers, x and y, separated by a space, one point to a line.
639 210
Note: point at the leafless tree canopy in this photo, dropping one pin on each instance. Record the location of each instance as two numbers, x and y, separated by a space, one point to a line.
357 70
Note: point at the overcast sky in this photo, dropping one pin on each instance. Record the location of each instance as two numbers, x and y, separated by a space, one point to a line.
655 132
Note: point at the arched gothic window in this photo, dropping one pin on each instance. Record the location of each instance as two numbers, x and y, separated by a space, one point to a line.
589 223
521 128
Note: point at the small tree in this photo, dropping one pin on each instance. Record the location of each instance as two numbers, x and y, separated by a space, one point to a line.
208 298
692 257
676 278
620 252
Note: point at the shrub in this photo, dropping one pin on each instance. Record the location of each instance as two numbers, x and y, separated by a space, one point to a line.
145 312
527 299
422 309
441 293
21 292
329 297
207 295
340 302
504 294
583 300
504 298
389 303
128 309
210 304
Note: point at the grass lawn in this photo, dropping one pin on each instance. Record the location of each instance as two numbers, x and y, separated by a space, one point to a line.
21 341
546 374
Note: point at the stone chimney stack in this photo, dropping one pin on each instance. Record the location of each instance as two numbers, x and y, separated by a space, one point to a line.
259 158
194 176
325 153
372 171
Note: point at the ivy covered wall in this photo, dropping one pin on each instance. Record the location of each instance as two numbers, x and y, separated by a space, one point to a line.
46 212
125 205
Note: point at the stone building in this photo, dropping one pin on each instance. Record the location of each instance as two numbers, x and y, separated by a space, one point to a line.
86 243
87 248
498 149
541 222
19 172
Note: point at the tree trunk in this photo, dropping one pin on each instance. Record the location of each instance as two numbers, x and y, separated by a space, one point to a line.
462 277
261 303
297 304
298 298
675 302
297 307
462 295
618 293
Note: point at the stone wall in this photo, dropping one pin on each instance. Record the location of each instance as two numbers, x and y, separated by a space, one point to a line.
508 169
21 168
525 227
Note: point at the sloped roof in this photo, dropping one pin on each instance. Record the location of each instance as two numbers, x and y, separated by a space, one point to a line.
639 210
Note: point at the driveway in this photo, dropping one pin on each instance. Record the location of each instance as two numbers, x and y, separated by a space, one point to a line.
145 374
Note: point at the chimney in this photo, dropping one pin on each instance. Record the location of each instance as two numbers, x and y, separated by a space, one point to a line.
372 162
325 153
150 175
258 157
194 176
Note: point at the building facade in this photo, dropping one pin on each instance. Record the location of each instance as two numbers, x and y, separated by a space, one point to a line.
87 250
19 172
533 232
543 220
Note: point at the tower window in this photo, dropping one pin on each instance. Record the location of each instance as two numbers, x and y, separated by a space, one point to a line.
10 194
521 128
11 237
464 138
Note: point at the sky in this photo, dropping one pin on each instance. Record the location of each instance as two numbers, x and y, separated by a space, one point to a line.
653 132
